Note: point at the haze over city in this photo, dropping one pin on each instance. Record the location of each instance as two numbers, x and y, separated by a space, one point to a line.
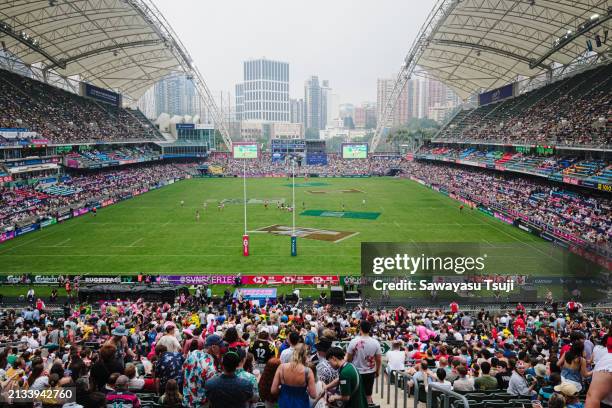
349 43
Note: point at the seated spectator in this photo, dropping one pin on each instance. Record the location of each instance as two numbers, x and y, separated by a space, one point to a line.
121 396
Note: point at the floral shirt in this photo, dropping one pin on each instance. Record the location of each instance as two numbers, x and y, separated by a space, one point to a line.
241 373
169 367
199 367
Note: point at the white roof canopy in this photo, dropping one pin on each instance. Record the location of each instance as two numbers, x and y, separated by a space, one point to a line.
483 44
115 44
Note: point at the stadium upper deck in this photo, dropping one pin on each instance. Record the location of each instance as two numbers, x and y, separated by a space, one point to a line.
475 46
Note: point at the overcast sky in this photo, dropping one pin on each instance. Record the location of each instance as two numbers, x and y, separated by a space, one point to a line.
349 42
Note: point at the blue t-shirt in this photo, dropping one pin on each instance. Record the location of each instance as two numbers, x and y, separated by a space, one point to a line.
228 391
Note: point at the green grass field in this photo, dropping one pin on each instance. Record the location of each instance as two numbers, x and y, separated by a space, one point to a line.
152 233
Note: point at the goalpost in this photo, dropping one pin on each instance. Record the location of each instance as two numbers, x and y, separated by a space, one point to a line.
245 151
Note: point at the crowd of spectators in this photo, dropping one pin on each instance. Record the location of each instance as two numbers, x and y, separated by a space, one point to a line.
336 166
230 352
30 202
587 217
64 117
573 111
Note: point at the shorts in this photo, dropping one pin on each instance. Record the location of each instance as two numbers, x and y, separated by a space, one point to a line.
368 382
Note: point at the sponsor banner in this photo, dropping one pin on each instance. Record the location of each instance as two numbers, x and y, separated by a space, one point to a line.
291 280
485 210
503 217
197 279
26 229
100 94
39 142
46 223
596 258
571 180
80 211
604 187
5 179
102 279
5 236
46 279
64 216
106 203
315 159
494 95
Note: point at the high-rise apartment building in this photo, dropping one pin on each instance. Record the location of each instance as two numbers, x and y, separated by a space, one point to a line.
400 115
175 95
416 100
264 93
296 109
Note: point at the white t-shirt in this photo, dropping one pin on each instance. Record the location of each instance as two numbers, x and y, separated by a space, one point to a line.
364 349
286 355
396 360
604 364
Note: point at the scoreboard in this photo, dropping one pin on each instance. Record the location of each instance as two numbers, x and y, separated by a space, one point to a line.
355 151
245 150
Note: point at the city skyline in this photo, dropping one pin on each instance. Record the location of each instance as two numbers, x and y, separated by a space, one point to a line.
349 52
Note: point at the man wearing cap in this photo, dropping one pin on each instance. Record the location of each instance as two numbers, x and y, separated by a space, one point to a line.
119 340
121 397
262 348
198 368
570 393
227 390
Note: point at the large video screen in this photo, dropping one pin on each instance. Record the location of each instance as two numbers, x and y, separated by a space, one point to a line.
245 151
355 151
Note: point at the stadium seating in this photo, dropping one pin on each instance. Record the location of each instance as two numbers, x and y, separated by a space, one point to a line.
64 117
572 111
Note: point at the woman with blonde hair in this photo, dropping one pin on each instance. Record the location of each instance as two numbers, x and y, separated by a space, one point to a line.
294 381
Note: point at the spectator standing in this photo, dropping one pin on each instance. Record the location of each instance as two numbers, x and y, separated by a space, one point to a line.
351 387
366 355
294 381
227 390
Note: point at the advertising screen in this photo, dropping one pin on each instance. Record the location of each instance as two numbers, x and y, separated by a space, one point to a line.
355 151
245 151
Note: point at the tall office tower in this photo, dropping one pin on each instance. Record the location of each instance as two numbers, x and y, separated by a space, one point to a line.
312 104
296 111
264 92
175 95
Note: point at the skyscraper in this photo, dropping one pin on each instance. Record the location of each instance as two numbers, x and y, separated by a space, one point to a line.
296 111
312 104
399 116
264 93
175 95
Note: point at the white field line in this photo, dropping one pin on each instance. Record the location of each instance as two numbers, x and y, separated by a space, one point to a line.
342 239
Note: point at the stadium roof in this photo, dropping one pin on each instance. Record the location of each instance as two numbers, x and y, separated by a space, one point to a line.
475 45
124 45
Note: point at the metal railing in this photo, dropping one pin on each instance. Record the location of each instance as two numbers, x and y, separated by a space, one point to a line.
446 395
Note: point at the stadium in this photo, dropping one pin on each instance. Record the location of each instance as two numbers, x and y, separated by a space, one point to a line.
133 255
